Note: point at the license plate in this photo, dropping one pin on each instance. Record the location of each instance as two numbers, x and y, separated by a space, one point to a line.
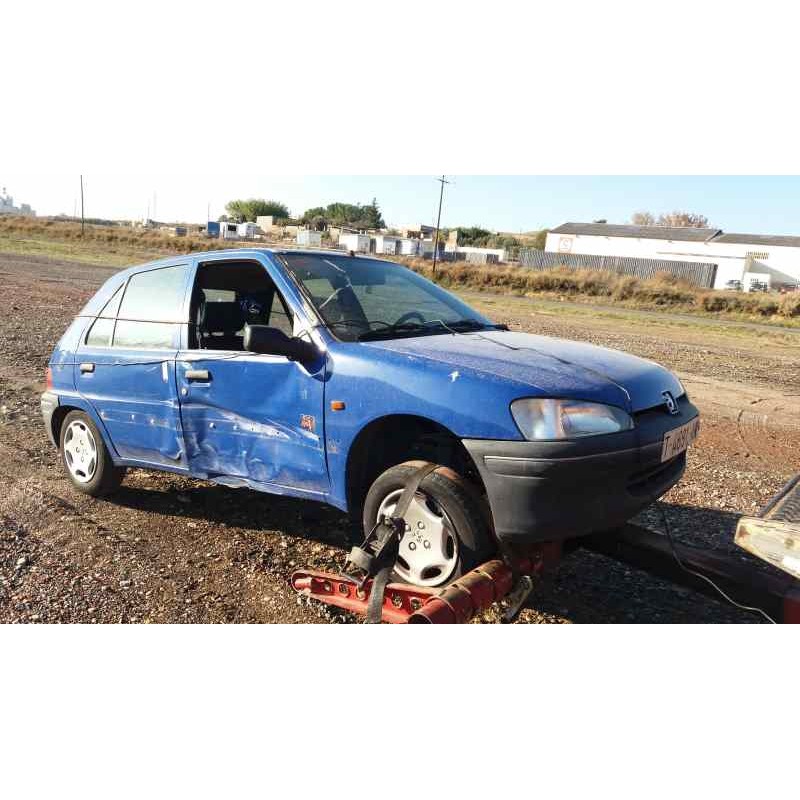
675 442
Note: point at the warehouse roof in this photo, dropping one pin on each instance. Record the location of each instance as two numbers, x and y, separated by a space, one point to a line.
757 238
639 231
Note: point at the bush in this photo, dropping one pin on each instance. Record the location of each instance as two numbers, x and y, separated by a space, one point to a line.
789 305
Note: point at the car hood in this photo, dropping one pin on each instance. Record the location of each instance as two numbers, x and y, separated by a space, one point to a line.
552 367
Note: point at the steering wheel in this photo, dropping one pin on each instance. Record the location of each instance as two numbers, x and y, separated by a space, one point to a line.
409 316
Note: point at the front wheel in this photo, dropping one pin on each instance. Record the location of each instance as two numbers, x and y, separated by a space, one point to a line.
86 459
447 533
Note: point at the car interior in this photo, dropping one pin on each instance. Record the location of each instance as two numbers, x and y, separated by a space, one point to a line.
229 295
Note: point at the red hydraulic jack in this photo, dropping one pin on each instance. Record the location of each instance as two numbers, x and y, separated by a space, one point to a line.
459 602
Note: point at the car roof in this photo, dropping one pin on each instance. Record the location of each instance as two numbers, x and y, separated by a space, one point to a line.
243 252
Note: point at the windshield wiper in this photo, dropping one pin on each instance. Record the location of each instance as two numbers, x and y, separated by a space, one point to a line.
465 325
405 327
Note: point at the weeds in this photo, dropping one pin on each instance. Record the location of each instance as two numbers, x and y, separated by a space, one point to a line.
662 291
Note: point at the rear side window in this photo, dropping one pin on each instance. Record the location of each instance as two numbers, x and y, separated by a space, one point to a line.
144 335
155 296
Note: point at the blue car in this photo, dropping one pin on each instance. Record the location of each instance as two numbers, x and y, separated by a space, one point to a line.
329 377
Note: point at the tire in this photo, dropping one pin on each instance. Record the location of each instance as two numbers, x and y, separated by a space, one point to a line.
442 492
85 457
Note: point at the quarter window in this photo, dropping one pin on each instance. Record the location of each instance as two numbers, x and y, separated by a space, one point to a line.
155 296
100 333
112 306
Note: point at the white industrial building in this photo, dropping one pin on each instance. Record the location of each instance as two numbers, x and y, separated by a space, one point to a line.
7 206
770 260
477 255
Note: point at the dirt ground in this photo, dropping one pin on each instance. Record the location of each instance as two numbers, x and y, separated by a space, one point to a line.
167 549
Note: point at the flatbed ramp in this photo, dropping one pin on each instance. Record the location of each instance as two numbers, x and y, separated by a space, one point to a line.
774 535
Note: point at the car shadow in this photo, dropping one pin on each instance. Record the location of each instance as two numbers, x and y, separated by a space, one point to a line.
242 508
592 588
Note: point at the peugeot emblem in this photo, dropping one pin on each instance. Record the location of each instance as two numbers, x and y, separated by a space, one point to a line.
671 404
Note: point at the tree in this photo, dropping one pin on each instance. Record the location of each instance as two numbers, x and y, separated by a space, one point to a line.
249 210
683 219
643 218
540 239
474 236
373 216
677 219
345 214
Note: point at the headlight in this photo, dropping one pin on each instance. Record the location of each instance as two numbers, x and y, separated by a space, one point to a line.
546 420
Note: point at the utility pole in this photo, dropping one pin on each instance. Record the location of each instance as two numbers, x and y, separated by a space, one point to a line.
83 220
438 224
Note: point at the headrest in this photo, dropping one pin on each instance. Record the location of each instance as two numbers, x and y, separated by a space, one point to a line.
221 317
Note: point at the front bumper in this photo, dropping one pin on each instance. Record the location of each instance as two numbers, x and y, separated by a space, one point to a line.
550 491
49 402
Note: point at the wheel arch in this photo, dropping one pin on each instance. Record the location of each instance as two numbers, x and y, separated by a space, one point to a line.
397 438
65 407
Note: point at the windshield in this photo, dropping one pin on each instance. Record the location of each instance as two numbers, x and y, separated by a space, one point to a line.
361 299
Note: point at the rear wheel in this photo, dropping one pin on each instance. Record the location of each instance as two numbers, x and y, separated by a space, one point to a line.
86 459
447 533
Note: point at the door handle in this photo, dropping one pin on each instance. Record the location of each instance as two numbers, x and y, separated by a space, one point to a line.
87 368
197 375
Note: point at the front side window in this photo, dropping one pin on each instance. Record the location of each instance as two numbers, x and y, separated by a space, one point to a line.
360 298
227 296
155 296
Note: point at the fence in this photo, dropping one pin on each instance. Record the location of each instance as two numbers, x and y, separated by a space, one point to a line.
698 274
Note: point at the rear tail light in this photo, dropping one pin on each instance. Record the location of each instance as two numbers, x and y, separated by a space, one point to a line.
48 378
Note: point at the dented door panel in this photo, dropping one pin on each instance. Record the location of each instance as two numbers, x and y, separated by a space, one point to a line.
258 418
134 394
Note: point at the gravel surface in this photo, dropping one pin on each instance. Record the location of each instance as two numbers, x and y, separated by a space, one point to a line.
168 549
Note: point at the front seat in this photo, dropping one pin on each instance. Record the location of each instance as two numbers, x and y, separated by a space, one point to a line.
221 326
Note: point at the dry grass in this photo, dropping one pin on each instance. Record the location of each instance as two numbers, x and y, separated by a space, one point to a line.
117 237
665 291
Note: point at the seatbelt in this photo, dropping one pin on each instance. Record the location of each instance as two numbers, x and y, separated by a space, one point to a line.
378 555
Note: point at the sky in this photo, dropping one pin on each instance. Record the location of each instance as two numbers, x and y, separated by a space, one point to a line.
747 204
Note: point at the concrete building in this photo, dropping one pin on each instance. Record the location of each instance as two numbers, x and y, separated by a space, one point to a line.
409 247
477 255
355 242
7 206
248 230
385 245
267 224
229 231
739 257
474 255
418 231
309 238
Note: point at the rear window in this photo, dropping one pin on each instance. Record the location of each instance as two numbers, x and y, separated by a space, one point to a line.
155 296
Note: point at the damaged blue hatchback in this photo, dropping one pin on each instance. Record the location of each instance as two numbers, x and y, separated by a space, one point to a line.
329 377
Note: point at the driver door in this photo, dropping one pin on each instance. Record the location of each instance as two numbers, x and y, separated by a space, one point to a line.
246 417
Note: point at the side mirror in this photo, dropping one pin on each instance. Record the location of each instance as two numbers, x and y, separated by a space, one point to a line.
273 342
